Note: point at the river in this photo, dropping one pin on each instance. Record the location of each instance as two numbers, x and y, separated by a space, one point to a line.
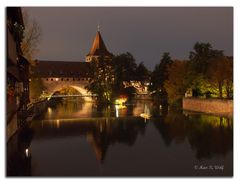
78 138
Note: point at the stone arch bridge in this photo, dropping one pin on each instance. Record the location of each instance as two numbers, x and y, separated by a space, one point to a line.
56 84
57 75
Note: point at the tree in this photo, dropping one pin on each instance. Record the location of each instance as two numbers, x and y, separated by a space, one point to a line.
200 85
229 77
201 55
220 74
124 66
36 88
142 74
177 83
101 74
159 76
32 35
200 61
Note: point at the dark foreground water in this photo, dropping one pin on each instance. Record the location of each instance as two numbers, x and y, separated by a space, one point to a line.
79 139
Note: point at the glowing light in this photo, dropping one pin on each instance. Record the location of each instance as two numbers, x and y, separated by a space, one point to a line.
27 152
57 79
120 104
49 110
58 123
120 101
117 111
145 115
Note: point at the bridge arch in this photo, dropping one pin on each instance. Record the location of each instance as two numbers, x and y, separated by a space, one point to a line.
51 86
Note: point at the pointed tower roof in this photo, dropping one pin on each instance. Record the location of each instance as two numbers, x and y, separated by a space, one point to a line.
98 47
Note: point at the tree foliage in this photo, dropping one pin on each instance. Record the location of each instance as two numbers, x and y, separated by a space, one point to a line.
101 79
142 73
69 91
160 73
208 73
177 83
212 67
36 88
158 77
220 74
124 68
110 79
201 55
32 35
125 71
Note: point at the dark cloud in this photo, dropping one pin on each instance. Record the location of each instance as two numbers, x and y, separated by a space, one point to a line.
67 33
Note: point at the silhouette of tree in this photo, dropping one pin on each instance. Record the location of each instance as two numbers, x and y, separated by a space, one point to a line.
158 77
201 55
142 74
124 67
32 35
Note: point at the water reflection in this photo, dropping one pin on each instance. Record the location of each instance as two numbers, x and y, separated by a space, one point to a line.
207 135
109 131
99 132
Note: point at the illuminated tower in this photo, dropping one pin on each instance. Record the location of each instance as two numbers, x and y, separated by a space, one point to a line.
98 49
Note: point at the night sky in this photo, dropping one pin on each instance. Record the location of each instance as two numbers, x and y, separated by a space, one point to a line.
68 33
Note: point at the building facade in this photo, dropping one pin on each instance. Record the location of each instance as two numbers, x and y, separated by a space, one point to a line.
17 72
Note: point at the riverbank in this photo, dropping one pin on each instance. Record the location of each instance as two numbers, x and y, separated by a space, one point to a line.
223 107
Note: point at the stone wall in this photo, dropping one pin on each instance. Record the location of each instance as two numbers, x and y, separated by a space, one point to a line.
215 106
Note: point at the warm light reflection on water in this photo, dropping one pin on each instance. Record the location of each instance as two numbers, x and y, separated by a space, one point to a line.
83 139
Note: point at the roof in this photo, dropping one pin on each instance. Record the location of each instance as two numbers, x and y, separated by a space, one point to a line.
60 69
98 47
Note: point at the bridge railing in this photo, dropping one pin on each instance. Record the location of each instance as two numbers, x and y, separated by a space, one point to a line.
62 96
